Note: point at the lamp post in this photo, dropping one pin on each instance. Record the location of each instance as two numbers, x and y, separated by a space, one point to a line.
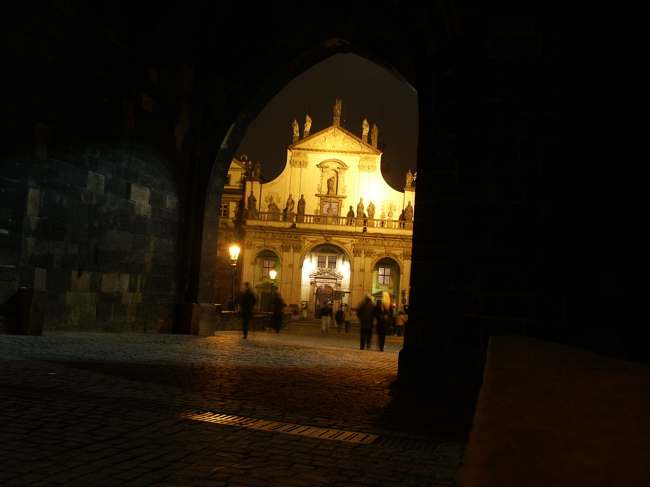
234 255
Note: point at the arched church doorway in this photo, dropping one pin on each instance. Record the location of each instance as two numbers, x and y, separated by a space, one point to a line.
324 297
326 278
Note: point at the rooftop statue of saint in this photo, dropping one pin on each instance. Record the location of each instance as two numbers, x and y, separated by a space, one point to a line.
301 204
360 209
408 212
374 135
290 204
337 107
252 203
371 210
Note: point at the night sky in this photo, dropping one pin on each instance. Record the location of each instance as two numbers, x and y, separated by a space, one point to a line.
366 90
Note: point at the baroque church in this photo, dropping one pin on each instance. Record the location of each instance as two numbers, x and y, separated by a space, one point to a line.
329 225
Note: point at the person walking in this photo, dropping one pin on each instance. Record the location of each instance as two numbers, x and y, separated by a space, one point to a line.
400 319
326 317
365 312
277 310
247 304
338 317
346 318
385 319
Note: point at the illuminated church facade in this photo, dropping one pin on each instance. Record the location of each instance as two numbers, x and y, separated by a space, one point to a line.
329 225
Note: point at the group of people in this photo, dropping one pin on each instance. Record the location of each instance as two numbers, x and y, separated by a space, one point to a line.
371 316
379 316
247 304
341 317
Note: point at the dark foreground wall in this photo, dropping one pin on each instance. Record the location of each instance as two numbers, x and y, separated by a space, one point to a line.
96 226
119 120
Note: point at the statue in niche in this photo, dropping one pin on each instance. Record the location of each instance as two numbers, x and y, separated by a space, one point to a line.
408 212
409 179
307 124
295 128
331 185
360 209
371 210
365 126
252 203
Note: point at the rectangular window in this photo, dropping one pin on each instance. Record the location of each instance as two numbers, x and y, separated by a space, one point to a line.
267 266
384 275
223 210
327 261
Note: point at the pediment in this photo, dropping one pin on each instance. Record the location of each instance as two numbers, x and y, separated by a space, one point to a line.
326 273
334 139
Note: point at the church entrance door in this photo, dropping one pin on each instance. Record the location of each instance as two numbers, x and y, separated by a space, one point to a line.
324 294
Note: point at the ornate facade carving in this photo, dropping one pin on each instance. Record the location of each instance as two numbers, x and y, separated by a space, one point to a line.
326 274
298 160
336 140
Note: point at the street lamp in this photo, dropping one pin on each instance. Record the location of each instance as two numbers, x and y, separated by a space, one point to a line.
234 255
272 274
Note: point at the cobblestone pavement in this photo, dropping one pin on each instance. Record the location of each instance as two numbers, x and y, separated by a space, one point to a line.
298 408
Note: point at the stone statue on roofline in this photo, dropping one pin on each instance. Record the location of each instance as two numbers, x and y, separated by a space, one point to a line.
371 210
337 107
307 125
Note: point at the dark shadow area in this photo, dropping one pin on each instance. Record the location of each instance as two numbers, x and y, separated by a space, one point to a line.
362 396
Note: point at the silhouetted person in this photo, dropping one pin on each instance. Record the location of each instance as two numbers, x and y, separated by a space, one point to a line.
385 319
346 318
277 309
400 319
338 317
247 304
365 312
326 317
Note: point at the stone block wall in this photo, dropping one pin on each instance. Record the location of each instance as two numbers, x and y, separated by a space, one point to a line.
97 227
